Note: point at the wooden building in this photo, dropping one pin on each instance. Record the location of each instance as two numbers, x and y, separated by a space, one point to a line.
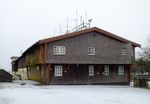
5 76
20 73
90 56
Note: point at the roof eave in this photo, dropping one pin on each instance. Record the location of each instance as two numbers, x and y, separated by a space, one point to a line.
27 51
93 29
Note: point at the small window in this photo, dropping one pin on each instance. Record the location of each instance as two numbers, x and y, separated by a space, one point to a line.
37 68
91 70
106 70
59 50
91 50
120 70
124 51
58 71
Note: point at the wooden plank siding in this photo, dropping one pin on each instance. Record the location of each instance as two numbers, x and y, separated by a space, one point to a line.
41 75
33 58
78 74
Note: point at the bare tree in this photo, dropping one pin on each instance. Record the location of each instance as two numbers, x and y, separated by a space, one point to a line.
143 62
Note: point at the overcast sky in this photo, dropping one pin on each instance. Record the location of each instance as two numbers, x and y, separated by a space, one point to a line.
23 22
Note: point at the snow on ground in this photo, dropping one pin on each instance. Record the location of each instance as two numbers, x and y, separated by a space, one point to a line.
32 93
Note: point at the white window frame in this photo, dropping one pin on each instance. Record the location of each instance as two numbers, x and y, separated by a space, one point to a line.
91 70
121 70
58 71
59 50
91 50
124 51
106 70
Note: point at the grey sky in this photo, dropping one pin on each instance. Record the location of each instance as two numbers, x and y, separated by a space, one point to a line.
23 22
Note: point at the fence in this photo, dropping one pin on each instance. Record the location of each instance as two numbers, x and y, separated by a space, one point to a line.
142 81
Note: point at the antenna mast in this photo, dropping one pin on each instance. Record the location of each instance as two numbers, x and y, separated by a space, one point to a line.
83 24
76 18
67 25
85 16
59 28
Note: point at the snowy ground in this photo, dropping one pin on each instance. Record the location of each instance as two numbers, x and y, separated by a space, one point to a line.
31 93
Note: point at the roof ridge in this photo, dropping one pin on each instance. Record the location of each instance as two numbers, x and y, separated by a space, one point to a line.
76 33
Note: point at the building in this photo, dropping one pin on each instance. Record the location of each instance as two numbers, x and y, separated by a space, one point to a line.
5 76
89 56
20 73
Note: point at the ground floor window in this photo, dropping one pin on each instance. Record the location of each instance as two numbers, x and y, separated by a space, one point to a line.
58 71
106 70
91 70
120 70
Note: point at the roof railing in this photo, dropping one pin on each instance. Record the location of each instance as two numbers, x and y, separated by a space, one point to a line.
82 26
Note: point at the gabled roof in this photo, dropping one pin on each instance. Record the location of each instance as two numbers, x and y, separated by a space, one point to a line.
82 32
94 29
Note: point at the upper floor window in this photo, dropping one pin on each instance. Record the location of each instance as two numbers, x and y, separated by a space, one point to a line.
91 50
124 51
58 71
120 70
91 70
59 50
106 70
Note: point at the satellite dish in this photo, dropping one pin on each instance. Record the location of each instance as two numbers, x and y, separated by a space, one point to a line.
90 20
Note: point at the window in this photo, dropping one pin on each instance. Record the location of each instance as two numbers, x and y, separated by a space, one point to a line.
91 50
37 68
120 70
106 70
58 71
124 51
91 70
59 50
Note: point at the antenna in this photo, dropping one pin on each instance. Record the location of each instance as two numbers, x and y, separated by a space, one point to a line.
80 26
80 19
76 18
67 25
80 22
85 16
90 20
59 28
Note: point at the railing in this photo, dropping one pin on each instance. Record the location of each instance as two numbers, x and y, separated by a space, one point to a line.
141 81
80 27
